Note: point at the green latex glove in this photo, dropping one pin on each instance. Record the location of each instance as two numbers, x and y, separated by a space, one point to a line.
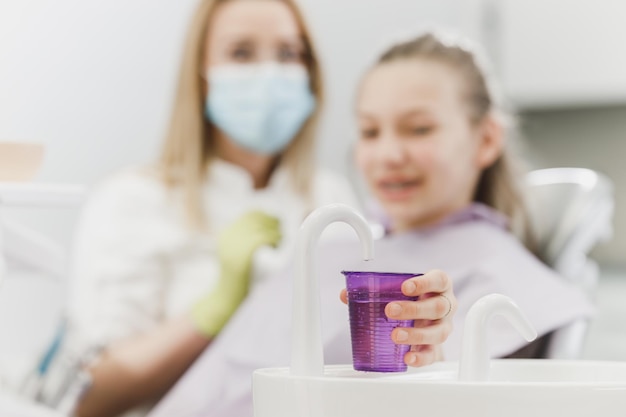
235 250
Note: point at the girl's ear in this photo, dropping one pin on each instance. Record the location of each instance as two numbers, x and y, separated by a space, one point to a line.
491 142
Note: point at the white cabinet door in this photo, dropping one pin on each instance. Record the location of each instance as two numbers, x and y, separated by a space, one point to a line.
558 52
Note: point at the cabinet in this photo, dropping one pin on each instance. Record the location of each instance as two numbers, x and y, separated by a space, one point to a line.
555 53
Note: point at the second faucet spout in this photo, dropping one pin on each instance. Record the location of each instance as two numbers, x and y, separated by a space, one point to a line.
474 363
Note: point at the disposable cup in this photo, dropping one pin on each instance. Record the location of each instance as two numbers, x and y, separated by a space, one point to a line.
373 349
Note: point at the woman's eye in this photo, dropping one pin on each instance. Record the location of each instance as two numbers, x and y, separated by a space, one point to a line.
370 133
422 130
242 54
289 54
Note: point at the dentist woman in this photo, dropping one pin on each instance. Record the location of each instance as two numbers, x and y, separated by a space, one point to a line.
165 254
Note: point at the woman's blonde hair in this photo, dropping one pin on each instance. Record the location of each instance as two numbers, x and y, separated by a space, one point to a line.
189 145
497 186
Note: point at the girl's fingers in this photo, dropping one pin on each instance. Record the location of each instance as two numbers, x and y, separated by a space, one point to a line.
434 281
434 334
435 307
431 314
343 296
421 356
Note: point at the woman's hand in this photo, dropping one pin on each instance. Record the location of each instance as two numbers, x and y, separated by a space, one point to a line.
432 313
236 247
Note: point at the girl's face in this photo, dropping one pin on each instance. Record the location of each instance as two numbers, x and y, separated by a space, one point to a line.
247 32
417 150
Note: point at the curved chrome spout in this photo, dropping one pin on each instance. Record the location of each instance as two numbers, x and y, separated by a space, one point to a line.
307 355
474 363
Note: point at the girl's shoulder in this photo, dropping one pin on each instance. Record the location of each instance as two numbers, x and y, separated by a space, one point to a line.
465 244
478 228
484 239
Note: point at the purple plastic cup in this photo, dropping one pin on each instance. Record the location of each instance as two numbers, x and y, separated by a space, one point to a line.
370 328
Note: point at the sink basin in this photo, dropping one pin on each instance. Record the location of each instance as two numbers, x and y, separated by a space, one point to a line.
520 387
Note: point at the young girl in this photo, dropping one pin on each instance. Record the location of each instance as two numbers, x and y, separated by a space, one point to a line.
432 151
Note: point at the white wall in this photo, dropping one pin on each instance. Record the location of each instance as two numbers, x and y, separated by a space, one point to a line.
571 57
92 80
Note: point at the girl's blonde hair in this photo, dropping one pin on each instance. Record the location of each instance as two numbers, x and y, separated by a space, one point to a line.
497 186
189 146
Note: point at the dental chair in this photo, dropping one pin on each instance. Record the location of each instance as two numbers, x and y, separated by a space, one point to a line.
25 252
570 211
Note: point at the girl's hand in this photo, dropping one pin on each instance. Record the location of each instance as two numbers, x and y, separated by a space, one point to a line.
432 313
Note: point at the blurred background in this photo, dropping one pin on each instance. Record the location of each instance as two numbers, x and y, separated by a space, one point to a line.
94 79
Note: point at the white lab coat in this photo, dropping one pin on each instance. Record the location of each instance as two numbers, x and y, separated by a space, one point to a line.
472 246
138 264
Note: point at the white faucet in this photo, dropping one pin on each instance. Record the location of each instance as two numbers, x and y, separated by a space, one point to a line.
307 355
474 363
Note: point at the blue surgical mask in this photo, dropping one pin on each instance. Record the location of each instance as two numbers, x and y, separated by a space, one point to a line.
259 106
